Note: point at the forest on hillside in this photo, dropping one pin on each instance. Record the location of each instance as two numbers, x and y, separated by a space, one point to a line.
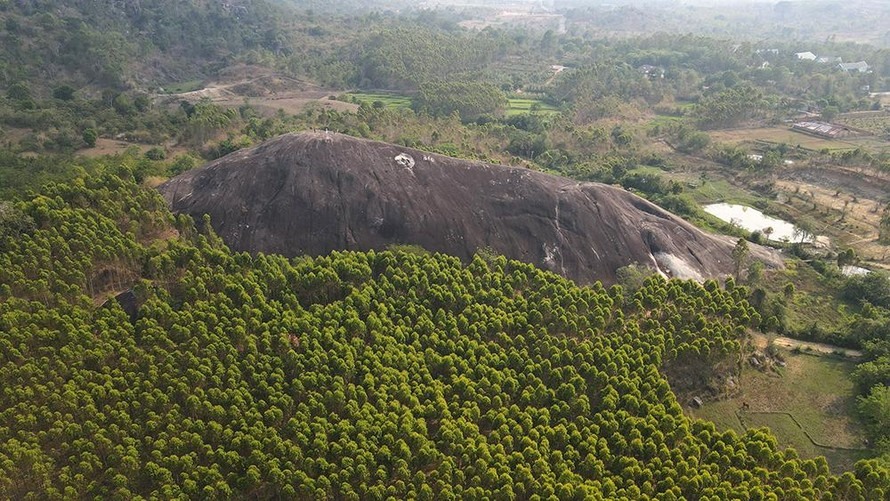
141 358
384 374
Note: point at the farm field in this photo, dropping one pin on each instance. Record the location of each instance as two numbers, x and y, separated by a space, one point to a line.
391 101
516 106
266 91
520 106
778 135
704 188
813 395
180 87
848 213
877 123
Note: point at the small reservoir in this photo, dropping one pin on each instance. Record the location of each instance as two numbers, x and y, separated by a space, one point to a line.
752 219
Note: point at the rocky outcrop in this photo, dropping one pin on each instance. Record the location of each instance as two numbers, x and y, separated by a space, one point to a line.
312 193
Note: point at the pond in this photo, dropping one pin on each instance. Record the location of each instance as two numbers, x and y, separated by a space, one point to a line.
752 219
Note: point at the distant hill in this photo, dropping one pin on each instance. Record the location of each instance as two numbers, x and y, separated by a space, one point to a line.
120 43
312 193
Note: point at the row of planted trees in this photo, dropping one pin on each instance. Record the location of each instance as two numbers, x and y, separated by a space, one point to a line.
354 375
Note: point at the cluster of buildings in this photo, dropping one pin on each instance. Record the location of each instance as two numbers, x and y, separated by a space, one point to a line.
821 129
858 67
651 72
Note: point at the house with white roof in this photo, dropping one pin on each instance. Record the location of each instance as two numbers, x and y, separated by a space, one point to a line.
860 67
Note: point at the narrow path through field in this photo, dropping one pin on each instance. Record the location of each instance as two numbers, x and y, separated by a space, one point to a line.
557 69
761 341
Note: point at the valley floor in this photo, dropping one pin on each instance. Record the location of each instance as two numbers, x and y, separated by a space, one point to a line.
809 404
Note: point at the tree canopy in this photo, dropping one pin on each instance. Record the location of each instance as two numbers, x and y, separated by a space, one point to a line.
353 375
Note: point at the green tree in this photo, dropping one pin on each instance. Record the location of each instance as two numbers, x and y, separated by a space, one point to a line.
470 100
64 92
829 113
875 411
18 91
884 230
89 137
846 258
740 255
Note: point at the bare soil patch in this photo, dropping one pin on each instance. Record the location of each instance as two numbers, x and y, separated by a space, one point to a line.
293 103
761 342
792 138
264 89
14 135
848 204
106 146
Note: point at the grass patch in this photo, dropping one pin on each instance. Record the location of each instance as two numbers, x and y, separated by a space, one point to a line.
779 135
519 106
179 88
814 303
648 169
722 413
664 120
877 123
390 101
817 391
516 106
713 190
786 430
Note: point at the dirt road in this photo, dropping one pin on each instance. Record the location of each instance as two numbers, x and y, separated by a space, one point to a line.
761 341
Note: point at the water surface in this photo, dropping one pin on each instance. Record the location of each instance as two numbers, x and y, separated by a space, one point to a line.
752 219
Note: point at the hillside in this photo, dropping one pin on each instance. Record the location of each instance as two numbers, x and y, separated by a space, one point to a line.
351 376
312 193
449 307
130 44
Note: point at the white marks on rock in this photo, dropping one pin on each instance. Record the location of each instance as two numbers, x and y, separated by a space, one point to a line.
405 160
550 254
559 234
676 267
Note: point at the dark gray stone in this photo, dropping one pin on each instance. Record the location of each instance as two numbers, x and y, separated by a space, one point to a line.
312 193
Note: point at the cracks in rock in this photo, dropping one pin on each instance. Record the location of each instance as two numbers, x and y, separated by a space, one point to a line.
278 191
560 235
348 237
693 254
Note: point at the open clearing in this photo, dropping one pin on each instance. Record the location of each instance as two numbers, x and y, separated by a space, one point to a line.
265 90
848 206
390 101
106 146
779 135
875 122
810 400
181 87
516 106
520 106
761 342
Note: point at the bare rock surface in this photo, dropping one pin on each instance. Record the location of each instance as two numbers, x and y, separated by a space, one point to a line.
311 193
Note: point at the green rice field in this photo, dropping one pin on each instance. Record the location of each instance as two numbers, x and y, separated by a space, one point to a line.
516 106
391 101
180 87
521 106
